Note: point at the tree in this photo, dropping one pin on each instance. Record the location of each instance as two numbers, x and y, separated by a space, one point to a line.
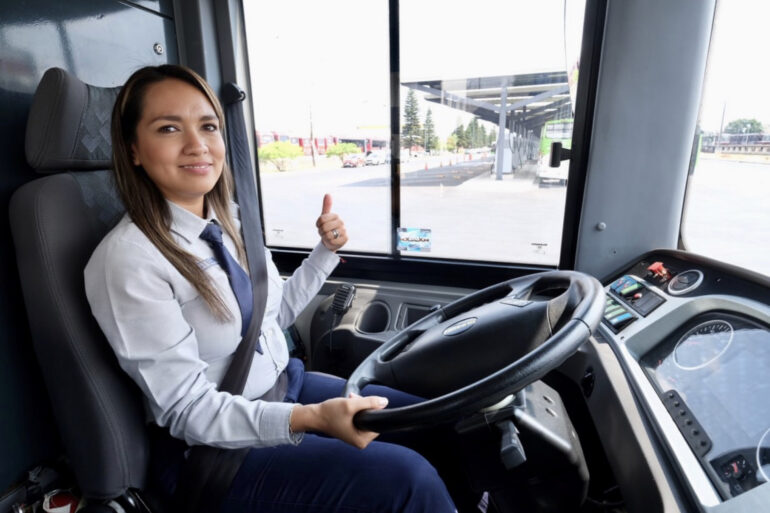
429 132
744 126
472 134
492 137
451 142
411 133
279 153
462 137
341 149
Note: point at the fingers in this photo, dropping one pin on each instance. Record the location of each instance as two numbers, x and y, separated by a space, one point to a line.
335 239
372 402
333 234
337 418
327 204
325 219
332 231
356 404
330 226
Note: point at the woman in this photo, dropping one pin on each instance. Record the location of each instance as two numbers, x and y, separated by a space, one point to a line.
170 314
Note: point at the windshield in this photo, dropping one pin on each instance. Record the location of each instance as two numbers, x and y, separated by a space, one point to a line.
727 213
477 84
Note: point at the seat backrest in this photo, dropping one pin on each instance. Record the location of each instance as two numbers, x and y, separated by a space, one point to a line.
56 222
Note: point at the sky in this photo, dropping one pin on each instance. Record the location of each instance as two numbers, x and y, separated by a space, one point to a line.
737 74
332 58
329 60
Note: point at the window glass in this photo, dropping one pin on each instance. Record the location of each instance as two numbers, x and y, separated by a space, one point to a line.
470 190
320 77
727 213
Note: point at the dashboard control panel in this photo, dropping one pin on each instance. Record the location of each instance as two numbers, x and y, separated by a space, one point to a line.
704 362
616 315
629 298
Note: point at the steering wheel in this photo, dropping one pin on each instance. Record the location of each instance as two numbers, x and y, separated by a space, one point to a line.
479 349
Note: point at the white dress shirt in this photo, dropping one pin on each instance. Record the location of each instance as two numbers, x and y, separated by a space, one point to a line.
169 342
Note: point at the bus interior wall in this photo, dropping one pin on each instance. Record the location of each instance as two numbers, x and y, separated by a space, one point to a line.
102 42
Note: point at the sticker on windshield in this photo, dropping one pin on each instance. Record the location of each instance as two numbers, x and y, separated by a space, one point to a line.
414 239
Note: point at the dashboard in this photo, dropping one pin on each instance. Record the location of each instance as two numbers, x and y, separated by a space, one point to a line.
676 379
693 336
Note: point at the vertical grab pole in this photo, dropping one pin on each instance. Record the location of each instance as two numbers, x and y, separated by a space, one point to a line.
501 142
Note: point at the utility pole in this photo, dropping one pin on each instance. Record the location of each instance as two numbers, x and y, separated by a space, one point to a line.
721 126
312 141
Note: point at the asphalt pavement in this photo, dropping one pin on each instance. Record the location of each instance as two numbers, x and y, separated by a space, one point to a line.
446 176
473 216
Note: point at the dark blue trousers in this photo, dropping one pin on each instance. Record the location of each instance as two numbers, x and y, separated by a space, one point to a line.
323 474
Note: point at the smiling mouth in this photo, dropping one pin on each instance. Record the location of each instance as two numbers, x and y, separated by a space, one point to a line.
199 169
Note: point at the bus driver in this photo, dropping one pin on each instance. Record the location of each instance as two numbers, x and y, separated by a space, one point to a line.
169 312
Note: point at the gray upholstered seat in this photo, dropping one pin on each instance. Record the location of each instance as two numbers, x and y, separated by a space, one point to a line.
57 221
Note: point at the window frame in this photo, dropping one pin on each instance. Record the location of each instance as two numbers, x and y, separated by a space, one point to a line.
466 273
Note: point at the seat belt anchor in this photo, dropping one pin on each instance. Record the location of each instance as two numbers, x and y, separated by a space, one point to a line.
232 93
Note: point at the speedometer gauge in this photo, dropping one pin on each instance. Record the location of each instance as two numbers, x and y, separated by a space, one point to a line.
763 456
703 344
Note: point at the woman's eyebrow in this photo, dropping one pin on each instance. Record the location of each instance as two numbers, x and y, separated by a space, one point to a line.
166 117
171 117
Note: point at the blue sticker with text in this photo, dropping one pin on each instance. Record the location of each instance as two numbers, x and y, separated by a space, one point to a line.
414 239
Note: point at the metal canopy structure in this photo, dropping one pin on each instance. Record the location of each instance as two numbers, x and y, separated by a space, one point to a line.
529 100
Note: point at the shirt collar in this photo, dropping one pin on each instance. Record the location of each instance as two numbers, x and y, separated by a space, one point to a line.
186 224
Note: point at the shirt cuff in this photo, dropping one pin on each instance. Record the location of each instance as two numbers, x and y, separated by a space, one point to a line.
324 259
279 416
294 438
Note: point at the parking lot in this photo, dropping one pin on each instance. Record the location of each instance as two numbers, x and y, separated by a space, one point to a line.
512 220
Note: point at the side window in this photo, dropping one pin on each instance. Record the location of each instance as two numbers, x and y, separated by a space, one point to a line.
482 92
727 214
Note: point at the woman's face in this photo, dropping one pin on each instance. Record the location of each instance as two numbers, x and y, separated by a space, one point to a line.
179 143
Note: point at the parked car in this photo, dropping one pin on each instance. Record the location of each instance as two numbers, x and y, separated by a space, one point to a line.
375 158
353 160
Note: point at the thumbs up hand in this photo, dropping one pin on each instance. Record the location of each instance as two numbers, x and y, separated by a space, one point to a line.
330 226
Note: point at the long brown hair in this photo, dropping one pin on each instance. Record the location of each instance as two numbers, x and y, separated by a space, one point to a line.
143 200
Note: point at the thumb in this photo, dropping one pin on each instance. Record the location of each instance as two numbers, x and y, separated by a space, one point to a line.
327 207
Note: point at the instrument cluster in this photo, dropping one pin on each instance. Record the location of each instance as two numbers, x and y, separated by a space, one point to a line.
698 333
716 365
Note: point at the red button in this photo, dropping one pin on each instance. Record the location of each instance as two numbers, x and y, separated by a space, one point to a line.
659 270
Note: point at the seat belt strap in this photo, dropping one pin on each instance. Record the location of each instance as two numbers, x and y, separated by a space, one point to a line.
208 472
251 228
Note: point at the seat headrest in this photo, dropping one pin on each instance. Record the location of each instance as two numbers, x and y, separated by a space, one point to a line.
68 128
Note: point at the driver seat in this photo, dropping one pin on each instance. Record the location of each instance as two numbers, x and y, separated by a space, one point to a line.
56 222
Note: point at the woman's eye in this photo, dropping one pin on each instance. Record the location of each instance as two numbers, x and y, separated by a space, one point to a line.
167 129
210 127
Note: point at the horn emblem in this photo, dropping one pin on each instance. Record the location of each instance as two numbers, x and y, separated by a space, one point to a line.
460 327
